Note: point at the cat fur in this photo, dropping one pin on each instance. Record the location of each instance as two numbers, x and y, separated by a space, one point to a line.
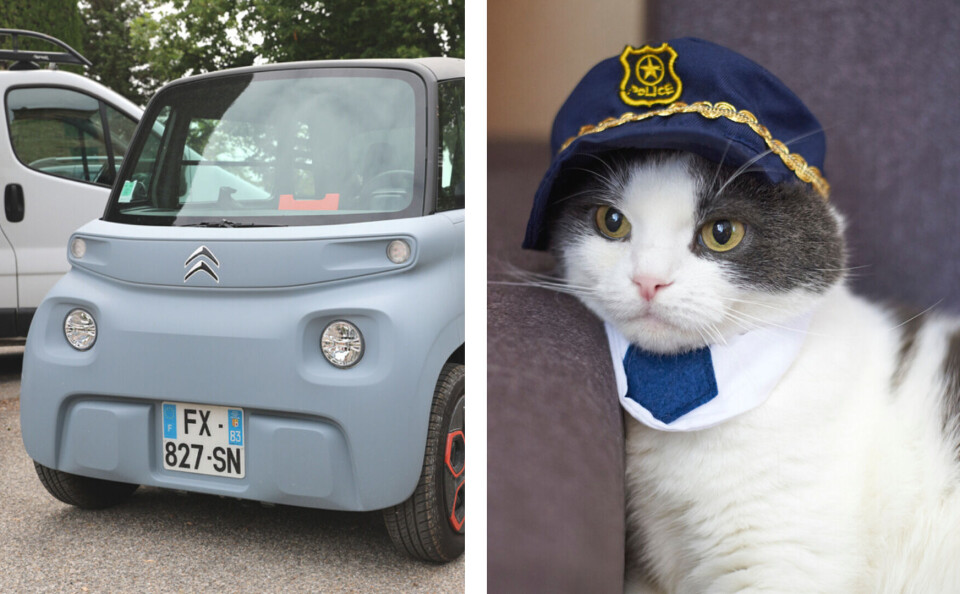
846 479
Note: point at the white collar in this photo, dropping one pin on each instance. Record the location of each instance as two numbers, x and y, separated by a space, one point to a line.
746 368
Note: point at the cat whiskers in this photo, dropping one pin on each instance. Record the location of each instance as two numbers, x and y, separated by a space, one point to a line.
716 172
924 312
703 337
684 316
588 191
717 337
559 287
748 302
847 271
843 268
756 323
613 180
610 170
741 323
743 168
527 278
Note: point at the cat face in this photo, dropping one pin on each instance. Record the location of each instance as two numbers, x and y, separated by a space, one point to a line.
679 253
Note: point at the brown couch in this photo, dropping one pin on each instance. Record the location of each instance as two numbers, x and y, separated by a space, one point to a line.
555 445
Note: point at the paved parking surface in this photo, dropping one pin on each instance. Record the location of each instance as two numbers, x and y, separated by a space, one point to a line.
167 541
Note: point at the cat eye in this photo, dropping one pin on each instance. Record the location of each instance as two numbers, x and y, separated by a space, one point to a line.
612 223
721 235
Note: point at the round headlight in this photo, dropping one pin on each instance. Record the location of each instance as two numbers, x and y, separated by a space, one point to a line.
78 247
80 329
342 344
398 251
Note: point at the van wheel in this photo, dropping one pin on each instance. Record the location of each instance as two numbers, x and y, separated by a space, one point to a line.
83 491
430 524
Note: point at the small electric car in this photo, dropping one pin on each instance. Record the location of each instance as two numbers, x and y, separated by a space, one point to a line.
272 306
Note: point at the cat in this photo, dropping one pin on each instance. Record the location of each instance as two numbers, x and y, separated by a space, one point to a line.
846 478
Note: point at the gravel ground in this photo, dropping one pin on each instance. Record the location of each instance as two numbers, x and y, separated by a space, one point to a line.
167 541
11 359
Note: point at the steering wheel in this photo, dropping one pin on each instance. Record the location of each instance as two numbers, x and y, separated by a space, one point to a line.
391 184
104 175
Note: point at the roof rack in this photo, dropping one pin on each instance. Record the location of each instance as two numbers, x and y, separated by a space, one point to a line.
70 56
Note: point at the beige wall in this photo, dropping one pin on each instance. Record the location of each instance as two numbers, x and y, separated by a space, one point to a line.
537 50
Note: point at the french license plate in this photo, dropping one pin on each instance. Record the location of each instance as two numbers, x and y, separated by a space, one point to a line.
203 439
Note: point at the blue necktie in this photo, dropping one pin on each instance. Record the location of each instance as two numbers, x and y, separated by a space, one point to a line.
670 386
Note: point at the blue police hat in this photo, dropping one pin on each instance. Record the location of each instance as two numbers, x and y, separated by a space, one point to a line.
686 94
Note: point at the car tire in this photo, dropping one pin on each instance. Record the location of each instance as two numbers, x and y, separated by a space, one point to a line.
83 491
430 524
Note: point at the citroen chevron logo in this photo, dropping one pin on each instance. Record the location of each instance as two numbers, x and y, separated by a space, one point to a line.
204 257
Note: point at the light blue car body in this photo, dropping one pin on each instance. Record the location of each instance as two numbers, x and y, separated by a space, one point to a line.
316 435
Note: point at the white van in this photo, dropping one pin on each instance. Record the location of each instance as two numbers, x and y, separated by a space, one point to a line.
66 136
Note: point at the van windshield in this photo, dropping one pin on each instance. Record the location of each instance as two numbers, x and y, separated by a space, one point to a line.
307 146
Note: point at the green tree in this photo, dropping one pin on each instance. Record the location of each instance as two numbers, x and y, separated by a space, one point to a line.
109 45
299 30
57 18
190 37
136 46
205 35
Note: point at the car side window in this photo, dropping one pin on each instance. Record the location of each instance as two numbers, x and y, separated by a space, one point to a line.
121 128
61 132
451 182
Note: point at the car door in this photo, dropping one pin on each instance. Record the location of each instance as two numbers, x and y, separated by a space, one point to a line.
67 145
8 287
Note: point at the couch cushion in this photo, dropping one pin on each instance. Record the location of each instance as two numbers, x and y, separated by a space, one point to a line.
555 519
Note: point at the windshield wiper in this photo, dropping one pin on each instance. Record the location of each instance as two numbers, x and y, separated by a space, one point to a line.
228 223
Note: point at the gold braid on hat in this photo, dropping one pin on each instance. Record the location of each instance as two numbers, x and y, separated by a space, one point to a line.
806 172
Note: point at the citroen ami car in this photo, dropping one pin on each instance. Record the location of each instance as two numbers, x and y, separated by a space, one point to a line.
272 306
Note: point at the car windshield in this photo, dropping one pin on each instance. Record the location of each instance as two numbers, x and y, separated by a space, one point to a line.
307 146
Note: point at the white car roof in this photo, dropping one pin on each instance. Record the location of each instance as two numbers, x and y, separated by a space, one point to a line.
61 78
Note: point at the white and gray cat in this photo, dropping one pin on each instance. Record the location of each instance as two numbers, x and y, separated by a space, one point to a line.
847 477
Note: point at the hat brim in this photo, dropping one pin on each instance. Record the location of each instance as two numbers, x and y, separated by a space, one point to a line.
719 141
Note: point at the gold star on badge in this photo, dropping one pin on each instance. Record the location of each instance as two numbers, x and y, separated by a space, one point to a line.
650 66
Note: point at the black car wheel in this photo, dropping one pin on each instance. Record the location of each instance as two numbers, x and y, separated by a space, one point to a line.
430 524
83 491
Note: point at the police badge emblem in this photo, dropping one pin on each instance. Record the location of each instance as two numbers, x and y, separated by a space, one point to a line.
648 76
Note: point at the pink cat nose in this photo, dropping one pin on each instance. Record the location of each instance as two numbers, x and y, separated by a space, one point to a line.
649 286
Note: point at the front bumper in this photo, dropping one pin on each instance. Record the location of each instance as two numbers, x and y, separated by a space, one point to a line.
316 436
